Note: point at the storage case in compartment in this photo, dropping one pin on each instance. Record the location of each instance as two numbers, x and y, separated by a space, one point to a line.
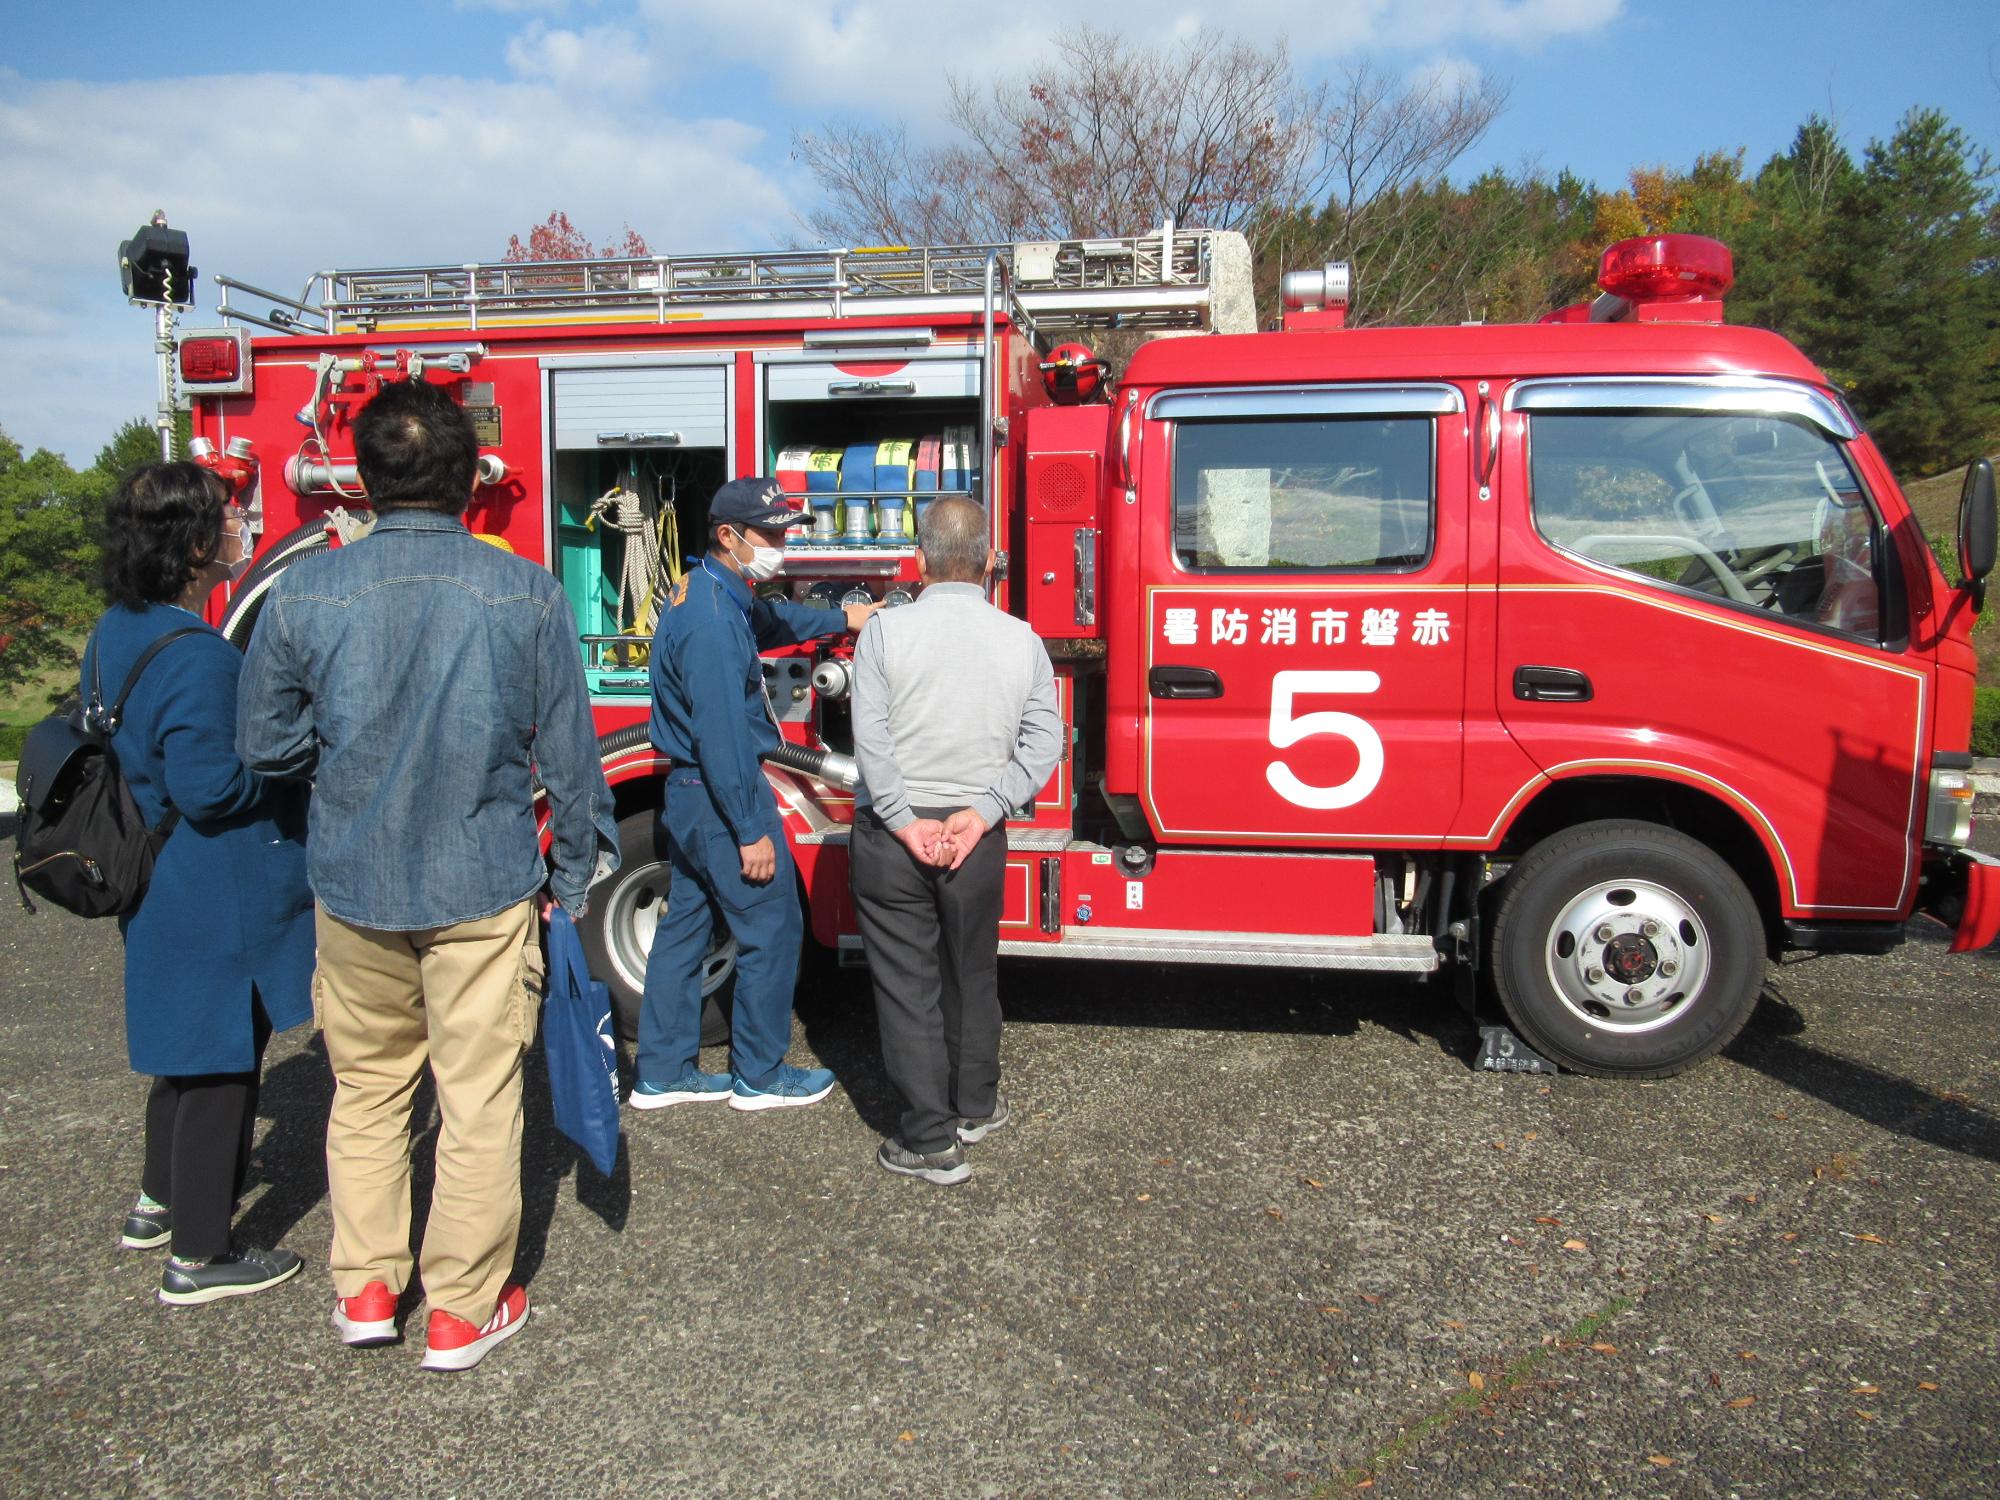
867 467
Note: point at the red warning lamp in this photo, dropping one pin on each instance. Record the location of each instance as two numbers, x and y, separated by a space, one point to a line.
206 361
1659 267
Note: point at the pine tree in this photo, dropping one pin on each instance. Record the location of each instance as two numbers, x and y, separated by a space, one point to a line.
1789 253
1915 250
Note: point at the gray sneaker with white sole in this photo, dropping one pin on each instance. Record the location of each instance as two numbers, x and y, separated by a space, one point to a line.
972 1129
942 1167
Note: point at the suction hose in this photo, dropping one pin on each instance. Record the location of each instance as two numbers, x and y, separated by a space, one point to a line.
830 766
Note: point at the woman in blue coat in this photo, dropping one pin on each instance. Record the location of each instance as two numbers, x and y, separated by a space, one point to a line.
219 953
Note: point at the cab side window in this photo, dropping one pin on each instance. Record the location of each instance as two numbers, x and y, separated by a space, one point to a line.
1303 493
1760 511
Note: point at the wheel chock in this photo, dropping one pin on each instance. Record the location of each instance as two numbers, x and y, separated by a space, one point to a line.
1500 1051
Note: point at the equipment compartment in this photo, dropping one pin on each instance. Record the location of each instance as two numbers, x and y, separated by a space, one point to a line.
636 452
624 519
867 445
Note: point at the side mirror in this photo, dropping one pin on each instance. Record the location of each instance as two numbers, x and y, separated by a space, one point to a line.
1978 529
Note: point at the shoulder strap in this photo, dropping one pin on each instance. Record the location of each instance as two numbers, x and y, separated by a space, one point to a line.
139 667
93 705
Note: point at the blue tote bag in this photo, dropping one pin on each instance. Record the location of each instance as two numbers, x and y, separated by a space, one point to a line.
583 1058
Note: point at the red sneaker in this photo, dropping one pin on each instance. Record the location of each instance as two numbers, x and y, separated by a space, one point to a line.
454 1344
368 1317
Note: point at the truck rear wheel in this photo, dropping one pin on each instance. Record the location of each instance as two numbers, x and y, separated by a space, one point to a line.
618 931
1626 950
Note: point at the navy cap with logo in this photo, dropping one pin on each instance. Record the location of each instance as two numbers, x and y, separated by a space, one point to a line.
754 502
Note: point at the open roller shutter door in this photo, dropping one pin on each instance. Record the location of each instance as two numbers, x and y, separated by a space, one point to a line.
651 407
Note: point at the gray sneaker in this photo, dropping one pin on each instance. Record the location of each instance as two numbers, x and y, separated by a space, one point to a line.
236 1274
942 1167
970 1130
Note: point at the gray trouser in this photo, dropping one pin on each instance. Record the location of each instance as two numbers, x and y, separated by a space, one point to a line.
933 939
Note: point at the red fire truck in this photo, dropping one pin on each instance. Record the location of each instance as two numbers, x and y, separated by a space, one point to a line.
1596 661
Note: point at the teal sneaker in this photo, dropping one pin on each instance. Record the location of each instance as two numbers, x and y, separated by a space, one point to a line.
791 1088
692 1087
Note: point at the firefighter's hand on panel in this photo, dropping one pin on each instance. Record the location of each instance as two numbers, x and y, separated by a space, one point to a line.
963 830
760 861
926 841
857 616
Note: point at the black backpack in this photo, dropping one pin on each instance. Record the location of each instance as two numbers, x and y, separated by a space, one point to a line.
82 842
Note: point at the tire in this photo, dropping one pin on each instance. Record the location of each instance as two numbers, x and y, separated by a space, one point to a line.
246 601
1669 931
617 932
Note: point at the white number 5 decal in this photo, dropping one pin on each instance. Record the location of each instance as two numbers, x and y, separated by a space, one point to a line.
1287 731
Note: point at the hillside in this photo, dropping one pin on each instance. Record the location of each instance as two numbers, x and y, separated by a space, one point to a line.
1935 502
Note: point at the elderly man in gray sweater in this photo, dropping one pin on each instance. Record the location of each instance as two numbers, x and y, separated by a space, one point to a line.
955 726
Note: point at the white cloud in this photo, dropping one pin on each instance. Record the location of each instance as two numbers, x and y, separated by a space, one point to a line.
888 60
1446 75
611 61
301 173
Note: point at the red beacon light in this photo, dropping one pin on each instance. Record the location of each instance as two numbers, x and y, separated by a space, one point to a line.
1659 267
1658 278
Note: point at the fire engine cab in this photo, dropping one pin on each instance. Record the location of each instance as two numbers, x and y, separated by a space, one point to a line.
1596 661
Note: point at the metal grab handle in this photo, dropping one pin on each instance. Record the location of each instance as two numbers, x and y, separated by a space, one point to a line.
1183 682
1551 685
637 439
1086 576
871 388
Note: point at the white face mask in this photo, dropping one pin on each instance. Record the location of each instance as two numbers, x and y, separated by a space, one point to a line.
241 529
765 564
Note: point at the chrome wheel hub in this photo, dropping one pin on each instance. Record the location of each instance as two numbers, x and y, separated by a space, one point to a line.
633 905
1627 955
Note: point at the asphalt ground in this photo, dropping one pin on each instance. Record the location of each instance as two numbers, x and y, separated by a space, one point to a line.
1251 1233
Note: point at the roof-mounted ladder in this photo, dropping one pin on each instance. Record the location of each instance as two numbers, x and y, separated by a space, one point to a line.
1166 279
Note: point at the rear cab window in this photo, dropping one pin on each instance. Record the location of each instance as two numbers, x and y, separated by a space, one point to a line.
1321 480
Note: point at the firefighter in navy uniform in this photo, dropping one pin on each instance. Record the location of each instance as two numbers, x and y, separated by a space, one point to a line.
725 846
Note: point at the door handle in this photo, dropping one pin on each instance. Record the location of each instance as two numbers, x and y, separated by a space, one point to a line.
638 439
1551 685
871 388
1183 682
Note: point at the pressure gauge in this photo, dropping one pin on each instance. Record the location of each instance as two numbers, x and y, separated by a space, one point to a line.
856 595
900 594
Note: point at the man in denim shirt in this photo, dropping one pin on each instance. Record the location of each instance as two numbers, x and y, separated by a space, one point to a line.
423 679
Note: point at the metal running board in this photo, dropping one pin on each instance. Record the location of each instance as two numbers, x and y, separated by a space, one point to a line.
1159 280
1025 840
1381 954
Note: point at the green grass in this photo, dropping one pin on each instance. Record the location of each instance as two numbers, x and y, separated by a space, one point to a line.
1518 1373
30 702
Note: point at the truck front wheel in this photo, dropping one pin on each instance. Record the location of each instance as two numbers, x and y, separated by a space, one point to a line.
1626 950
618 931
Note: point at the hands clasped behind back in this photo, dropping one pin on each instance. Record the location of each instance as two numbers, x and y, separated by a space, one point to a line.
945 843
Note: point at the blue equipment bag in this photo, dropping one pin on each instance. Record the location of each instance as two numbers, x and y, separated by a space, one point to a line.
583 1058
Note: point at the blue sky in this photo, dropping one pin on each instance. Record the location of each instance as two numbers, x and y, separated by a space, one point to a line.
287 139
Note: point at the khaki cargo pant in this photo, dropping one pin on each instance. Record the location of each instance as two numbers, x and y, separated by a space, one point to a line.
465 999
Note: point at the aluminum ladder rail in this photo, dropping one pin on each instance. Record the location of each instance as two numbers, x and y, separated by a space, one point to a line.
1159 280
